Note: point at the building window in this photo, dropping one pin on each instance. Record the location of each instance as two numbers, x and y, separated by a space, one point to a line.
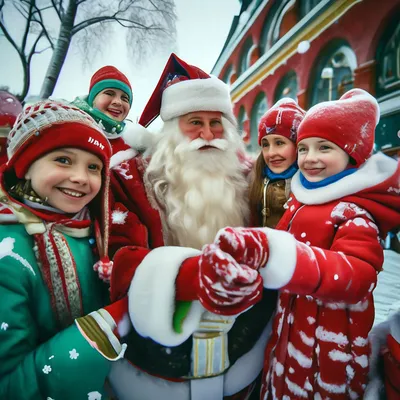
287 87
333 74
306 6
388 61
241 118
227 75
244 60
271 27
259 108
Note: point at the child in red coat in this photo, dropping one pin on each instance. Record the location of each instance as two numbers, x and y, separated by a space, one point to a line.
325 254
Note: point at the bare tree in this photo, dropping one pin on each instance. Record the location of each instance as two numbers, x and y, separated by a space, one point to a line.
50 25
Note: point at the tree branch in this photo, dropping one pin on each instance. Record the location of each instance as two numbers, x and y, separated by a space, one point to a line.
9 38
53 2
28 24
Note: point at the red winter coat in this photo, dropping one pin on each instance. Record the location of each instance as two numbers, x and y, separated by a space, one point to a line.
326 266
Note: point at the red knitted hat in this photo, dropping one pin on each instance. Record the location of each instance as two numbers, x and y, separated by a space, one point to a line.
184 88
348 122
49 125
283 118
108 77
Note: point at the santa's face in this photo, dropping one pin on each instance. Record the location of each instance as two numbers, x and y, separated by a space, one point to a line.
205 125
279 152
319 159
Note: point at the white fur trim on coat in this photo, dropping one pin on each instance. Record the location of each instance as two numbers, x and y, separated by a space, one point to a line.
152 296
121 156
375 170
138 137
197 95
281 264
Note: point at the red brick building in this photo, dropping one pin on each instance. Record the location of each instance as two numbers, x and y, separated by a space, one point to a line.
313 51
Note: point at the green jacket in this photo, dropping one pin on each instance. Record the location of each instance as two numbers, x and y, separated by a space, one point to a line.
37 359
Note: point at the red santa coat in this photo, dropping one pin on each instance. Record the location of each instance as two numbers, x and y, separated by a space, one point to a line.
326 265
138 222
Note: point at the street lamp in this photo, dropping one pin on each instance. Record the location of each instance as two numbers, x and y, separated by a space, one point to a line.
327 73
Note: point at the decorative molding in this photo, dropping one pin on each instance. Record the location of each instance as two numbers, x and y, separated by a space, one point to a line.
310 27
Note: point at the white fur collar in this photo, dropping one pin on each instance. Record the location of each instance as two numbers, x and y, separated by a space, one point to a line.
377 169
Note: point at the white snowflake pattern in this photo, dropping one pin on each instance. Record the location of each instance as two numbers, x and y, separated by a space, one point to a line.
4 326
73 354
46 369
118 217
6 249
123 170
94 396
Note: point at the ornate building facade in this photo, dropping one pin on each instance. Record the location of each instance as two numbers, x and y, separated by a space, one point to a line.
313 50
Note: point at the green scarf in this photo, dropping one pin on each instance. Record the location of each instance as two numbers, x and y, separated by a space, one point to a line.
108 124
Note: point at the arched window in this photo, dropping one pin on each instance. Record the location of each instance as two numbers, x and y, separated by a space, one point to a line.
388 60
306 6
333 73
241 118
244 59
387 132
271 27
287 87
227 75
259 108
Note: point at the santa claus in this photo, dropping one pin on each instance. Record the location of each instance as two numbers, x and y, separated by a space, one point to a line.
165 209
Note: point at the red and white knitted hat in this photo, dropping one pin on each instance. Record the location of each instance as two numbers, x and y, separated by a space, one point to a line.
184 88
283 118
348 122
49 125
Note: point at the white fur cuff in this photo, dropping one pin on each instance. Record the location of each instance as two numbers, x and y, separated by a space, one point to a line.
281 263
152 296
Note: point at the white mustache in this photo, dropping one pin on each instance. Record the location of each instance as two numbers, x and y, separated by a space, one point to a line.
196 144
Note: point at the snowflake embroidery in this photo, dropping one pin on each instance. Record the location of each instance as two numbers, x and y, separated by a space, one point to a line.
94 396
4 326
46 369
123 170
6 249
118 217
73 354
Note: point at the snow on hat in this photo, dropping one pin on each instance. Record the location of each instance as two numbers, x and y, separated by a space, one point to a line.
48 125
108 77
184 88
348 122
283 118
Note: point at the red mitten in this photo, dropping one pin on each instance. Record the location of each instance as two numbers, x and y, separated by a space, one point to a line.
226 287
246 245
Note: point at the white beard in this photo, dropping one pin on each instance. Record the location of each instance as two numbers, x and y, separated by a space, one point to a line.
201 191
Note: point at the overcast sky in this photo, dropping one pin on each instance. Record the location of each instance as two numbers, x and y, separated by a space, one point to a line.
202 28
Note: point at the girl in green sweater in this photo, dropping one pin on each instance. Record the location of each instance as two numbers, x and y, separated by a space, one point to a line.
56 342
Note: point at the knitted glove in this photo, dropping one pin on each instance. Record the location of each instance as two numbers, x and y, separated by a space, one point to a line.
225 286
247 246
103 329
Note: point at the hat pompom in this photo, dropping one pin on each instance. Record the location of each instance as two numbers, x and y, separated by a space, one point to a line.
138 137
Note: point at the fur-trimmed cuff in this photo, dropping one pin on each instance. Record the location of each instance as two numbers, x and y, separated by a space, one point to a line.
291 264
279 269
152 296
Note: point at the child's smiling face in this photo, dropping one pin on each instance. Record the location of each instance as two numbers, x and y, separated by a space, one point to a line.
113 102
319 159
69 178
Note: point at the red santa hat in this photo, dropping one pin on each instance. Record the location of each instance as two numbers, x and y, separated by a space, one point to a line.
348 122
184 88
283 118
108 77
49 125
